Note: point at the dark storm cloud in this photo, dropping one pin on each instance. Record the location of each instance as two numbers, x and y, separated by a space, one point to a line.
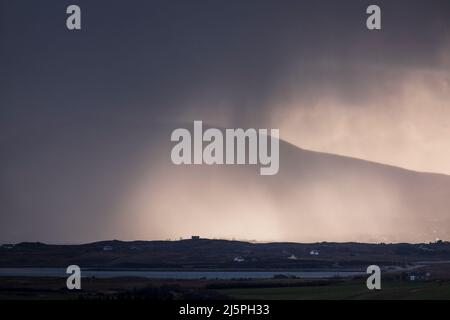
149 57
77 106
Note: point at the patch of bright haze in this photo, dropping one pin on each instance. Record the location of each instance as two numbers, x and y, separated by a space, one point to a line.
163 205
405 122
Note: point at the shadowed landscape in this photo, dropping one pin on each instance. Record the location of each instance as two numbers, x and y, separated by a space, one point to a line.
360 149
219 254
328 262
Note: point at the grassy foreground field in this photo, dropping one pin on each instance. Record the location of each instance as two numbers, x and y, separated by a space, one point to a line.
348 290
32 288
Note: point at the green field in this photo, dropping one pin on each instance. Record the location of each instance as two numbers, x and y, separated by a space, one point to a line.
350 290
33 288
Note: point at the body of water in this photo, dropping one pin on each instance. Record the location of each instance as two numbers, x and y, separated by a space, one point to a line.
151 274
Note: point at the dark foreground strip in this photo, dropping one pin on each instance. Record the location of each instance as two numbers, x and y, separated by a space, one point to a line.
148 309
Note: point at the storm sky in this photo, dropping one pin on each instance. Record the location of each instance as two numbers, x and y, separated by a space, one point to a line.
71 101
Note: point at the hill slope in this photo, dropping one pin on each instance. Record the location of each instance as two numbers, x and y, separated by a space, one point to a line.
212 254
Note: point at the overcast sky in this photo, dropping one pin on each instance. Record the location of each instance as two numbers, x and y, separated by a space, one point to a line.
309 68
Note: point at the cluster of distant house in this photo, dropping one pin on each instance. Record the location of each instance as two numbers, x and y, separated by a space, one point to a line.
108 248
311 253
291 257
416 276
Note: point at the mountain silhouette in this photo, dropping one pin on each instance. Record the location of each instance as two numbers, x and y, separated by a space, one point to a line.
107 181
